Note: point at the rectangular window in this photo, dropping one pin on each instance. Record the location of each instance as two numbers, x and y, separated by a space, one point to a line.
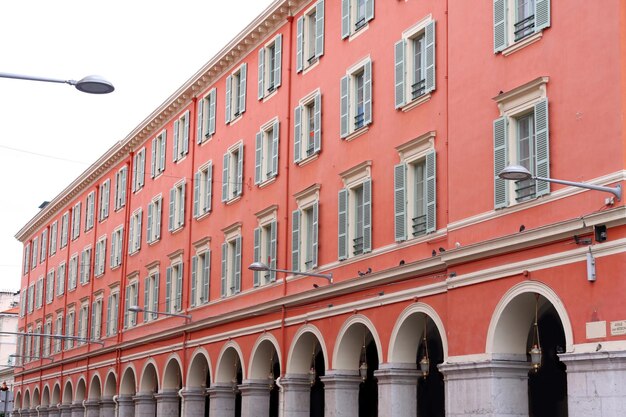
105 192
120 188
35 254
85 266
46 340
270 64
53 237
231 266
177 207
39 293
116 247
31 298
181 137
308 128
83 322
200 278
132 298
151 295
236 93
356 99
134 232
517 20
44 245
355 217
112 311
70 323
58 330
28 340
265 251
310 36
26 261
96 319
72 273
89 210
50 286
266 152
174 288
61 276
355 14
37 342
206 116
64 228
76 220
139 169
157 163
100 256
202 190
232 173
153 227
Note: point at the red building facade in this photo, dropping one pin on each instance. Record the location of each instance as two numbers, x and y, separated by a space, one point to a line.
360 139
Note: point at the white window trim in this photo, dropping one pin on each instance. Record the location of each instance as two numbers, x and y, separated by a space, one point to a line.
264 82
180 192
232 173
304 102
268 177
134 232
158 154
155 229
100 258
202 248
204 130
204 191
351 72
353 178
234 117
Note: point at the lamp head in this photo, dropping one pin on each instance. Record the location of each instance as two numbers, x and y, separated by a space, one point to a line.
135 309
515 173
258 266
94 84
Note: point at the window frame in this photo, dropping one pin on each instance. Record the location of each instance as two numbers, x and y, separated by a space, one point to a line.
155 217
99 264
206 119
158 154
203 190
174 283
180 142
134 231
105 199
90 205
121 178
139 170
309 107
151 293
308 50
350 25
265 245
352 122
117 237
200 276
236 85
356 180
232 173
231 261
270 67
505 19
267 149
131 298
176 218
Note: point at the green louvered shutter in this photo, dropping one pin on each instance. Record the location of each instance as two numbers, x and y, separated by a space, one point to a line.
206 271
229 82
431 192
131 236
208 187
317 123
261 88
92 329
278 53
168 289
342 244
400 203
273 250
153 162
163 148
225 167
224 282
237 264
242 88
367 216
343 106
542 14
211 110
500 156
319 29
149 225
179 288
367 93
155 295
170 224
429 37
196 194
176 150
199 135
369 10
257 256
315 236
297 136
157 232
345 18
542 147
109 321
258 160
146 297
499 25
239 184
126 305
299 43
399 73
275 138
186 134
194 267
295 240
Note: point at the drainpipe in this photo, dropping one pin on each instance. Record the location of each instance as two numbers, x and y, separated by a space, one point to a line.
114 398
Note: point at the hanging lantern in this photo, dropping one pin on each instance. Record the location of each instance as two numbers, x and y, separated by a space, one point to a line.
270 375
363 366
535 351
535 357
234 382
425 362
312 373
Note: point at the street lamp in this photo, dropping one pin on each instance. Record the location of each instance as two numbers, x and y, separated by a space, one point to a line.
92 84
50 358
137 309
55 336
261 267
519 173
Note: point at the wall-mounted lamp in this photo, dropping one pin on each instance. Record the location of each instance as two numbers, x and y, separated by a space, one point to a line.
137 309
92 84
260 266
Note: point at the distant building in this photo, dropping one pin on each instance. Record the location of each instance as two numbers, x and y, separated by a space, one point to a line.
9 316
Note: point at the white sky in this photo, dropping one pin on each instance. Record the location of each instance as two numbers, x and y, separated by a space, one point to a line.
146 48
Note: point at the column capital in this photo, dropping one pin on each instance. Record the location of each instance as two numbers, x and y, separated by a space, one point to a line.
167 395
92 403
594 361
125 399
341 379
221 391
254 386
143 397
397 373
485 369
295 382
196 392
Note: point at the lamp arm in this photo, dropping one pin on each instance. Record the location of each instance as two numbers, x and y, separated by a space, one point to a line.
616 191
329 277
185 316
33 78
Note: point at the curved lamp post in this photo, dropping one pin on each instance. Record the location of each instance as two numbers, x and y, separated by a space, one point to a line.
519 173
92 84
261 267
137 309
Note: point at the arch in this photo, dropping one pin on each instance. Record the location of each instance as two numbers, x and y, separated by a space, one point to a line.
17 402
349 342
110 385
36 400
299 357
505 335
95 388
149 382
172 375
199 370
68 395
265 348
81 390
45 396
56 394
27 399
128 385
229 355
405 339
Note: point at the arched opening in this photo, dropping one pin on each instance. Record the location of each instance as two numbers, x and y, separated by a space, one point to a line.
110 386
128 385
17 403
172 381
80 391
430 387
67 393
95 389
230 372
45 397
145 402
199 379
149 380
36 398
26 400
56 395
265 366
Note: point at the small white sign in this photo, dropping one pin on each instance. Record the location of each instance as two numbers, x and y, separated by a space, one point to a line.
596 329
618 328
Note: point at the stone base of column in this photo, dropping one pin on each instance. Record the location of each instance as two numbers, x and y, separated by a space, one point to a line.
77 409
145 405
397 389
43 411
107 408
53 411
341 393
295 396
168 403
222 401
92 408
65 411
486 389
194 402
125 406
596 383
255 398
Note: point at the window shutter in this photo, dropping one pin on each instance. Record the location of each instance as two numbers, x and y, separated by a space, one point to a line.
153 164
317 123
131 235
278 53
500 156
123 193
170 224
229 82
176 150
194 266
159 214
126 305
431 191
81 319
367 93
142 168
297 136
196 194
319 29
133 183
239 184
199 135
168 289
258 153
163 148
92 330
399 73
429 37
367 216
295 240
242 87
343 106
299 43
257 256
315 236
345 18
273 250
135 301
224 288
149 237
225 168
155 295
369 10
208 187
206 270
109 327
107 197
275 136
542 147
542 14
138 233
342 245
400 203
261 88
186 134
146 297
499 25
237 264
181 214
211 109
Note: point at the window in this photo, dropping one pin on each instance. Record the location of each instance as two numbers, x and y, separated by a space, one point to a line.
39 293
53 237
116 247
236 94
139 169
154 219
28 344
100 256
132 299
265 249
105 191
356 99
47 329
35 253
310 36
96 318
415 63
308 127
355 212
202 190
134 232
64 228
89 210
61 279
120 188
58 331
26 261
174 288
305 237
232 173
231 264
521 137
266 152
70 323
200 277
44 245
50 286
206 116
270 63
72 273
76 221
355 14
31 298
177 207
19 348
83 322
37 342
151 294
157 163
181 137
112 309
23 301
85 266
516 21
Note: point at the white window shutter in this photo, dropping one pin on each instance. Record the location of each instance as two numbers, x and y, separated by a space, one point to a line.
344 106
261 82
315 236
237 264
239 184
257 256
369 10
295 240
181 205
194 267
297 137
186 134
542 147
199 133
258 160
400 203
500 24
196 195
208 187
138 233
155 295
367 92
542 14
225 169
317 124
278 53
159 214
212 98
367 216
229 82
275 138
131 235
206 271
149 237
299 43
431 192
153 162
163 148
429 37
170 223
146 297
273 250
242 87
168 289
176 150
399 73
345 18
319 29
342 244
500 159
224 271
